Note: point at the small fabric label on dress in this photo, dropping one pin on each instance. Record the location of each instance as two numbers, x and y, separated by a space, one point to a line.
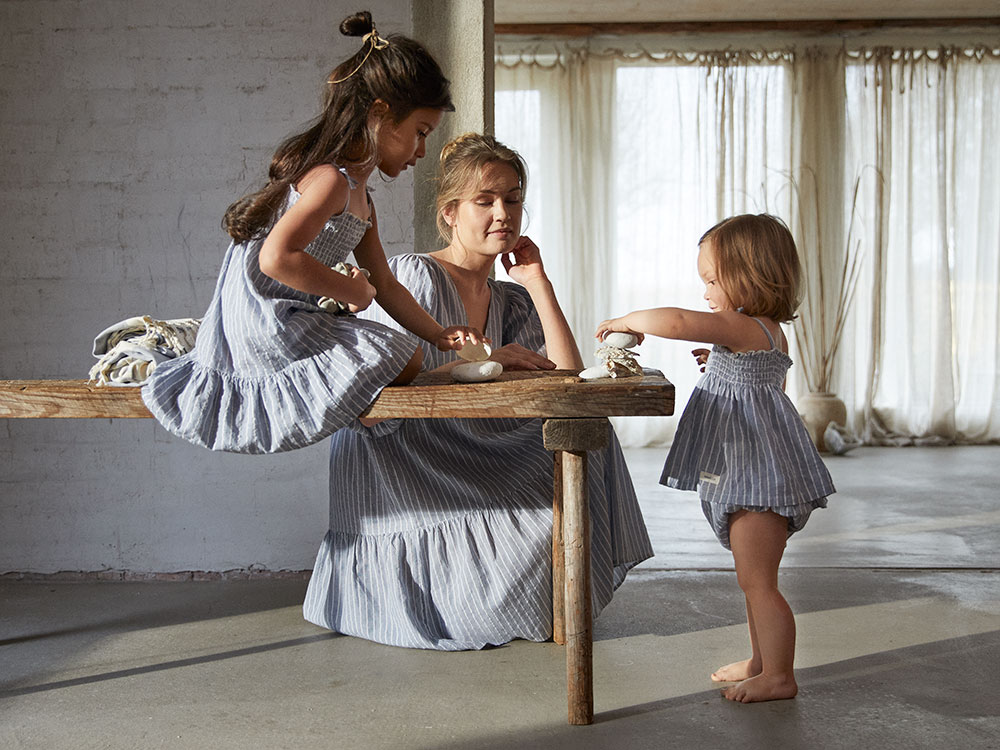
709 477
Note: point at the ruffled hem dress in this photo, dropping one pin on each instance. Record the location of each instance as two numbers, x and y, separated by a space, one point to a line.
440 529
271 370
742 444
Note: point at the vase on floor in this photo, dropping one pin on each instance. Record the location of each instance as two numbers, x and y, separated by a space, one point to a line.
818 409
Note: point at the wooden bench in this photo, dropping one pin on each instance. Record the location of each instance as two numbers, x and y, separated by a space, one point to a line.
574 414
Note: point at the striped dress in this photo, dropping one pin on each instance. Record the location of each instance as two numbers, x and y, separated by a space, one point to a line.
271 370
742 445
440 529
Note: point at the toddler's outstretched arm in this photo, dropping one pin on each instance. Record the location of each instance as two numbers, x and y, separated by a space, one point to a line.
728 328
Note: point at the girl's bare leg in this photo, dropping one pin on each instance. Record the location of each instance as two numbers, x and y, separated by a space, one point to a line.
408 373
758 542
411 370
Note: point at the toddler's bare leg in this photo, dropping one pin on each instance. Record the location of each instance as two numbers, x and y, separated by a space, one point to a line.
758 542
742 670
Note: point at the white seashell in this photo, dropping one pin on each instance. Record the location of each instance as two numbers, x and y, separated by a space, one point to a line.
475 352
595 373
476 372
621 340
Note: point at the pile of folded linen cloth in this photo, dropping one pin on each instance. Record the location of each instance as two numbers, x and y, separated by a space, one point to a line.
129 351
334 305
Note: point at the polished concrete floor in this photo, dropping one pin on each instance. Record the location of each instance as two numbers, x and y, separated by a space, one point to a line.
896 589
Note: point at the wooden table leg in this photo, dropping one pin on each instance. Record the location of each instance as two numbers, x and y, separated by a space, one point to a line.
558 555
579 620
571 439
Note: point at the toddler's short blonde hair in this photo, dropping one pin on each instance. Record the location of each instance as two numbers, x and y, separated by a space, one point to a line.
757 265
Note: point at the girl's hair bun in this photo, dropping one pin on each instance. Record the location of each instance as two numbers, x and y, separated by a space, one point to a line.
357 25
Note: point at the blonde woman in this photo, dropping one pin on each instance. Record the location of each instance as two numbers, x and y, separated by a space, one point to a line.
440 531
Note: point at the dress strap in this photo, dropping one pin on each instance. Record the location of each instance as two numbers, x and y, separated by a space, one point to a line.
770 339
351 183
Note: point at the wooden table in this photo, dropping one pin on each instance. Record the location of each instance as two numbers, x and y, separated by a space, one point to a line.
574 414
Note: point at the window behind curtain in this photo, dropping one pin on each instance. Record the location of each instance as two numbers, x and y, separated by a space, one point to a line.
690 146
929 120
697 137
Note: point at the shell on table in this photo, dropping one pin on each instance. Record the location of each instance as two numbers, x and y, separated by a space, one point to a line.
475 352
621 340
476 372
595 373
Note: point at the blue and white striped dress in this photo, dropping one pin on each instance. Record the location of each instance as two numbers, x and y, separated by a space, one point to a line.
742 445
271 370
440 529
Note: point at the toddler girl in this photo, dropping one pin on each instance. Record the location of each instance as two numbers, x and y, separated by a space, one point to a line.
740 442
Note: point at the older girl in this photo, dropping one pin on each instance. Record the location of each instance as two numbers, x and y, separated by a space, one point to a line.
274 368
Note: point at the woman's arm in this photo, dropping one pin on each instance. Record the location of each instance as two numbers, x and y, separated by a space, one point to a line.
396 299
525 266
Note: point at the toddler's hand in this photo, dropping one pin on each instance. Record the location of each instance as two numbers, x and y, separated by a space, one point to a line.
455 337
701 357
616 325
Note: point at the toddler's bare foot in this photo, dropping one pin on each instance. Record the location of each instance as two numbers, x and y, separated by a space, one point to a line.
736 672
762 688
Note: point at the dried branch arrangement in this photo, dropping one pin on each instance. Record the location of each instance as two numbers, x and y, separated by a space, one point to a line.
817 334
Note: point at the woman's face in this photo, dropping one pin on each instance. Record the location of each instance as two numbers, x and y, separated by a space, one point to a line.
401 144
488 219
714 293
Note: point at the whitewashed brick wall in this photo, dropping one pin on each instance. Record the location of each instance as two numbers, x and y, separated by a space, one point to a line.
126 129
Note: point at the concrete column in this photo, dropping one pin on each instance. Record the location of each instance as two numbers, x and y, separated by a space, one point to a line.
459 33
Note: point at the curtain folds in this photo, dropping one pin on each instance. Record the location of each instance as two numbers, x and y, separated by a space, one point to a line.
889 154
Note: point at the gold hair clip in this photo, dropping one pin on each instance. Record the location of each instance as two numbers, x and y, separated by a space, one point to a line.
376 41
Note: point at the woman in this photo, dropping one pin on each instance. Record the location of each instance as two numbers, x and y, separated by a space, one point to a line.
440 532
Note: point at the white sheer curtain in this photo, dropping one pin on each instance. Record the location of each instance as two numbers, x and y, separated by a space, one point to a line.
623 152
633 155
925 343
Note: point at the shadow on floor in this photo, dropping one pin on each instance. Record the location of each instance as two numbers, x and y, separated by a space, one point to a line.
931 696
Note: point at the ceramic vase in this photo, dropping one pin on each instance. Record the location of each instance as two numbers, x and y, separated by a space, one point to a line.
818 409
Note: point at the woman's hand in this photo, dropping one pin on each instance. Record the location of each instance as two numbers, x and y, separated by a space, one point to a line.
616 325
701 357
365 291
524 262
455 337
516 357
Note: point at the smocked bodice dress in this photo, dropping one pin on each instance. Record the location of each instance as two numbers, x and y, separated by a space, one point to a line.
742 444
271 370
440 529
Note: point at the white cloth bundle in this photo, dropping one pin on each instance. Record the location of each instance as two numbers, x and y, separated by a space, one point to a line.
129 351
335 305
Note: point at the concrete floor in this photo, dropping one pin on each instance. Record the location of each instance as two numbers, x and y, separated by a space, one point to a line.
896 589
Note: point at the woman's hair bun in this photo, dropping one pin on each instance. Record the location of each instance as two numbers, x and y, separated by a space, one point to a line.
453 145
358 24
